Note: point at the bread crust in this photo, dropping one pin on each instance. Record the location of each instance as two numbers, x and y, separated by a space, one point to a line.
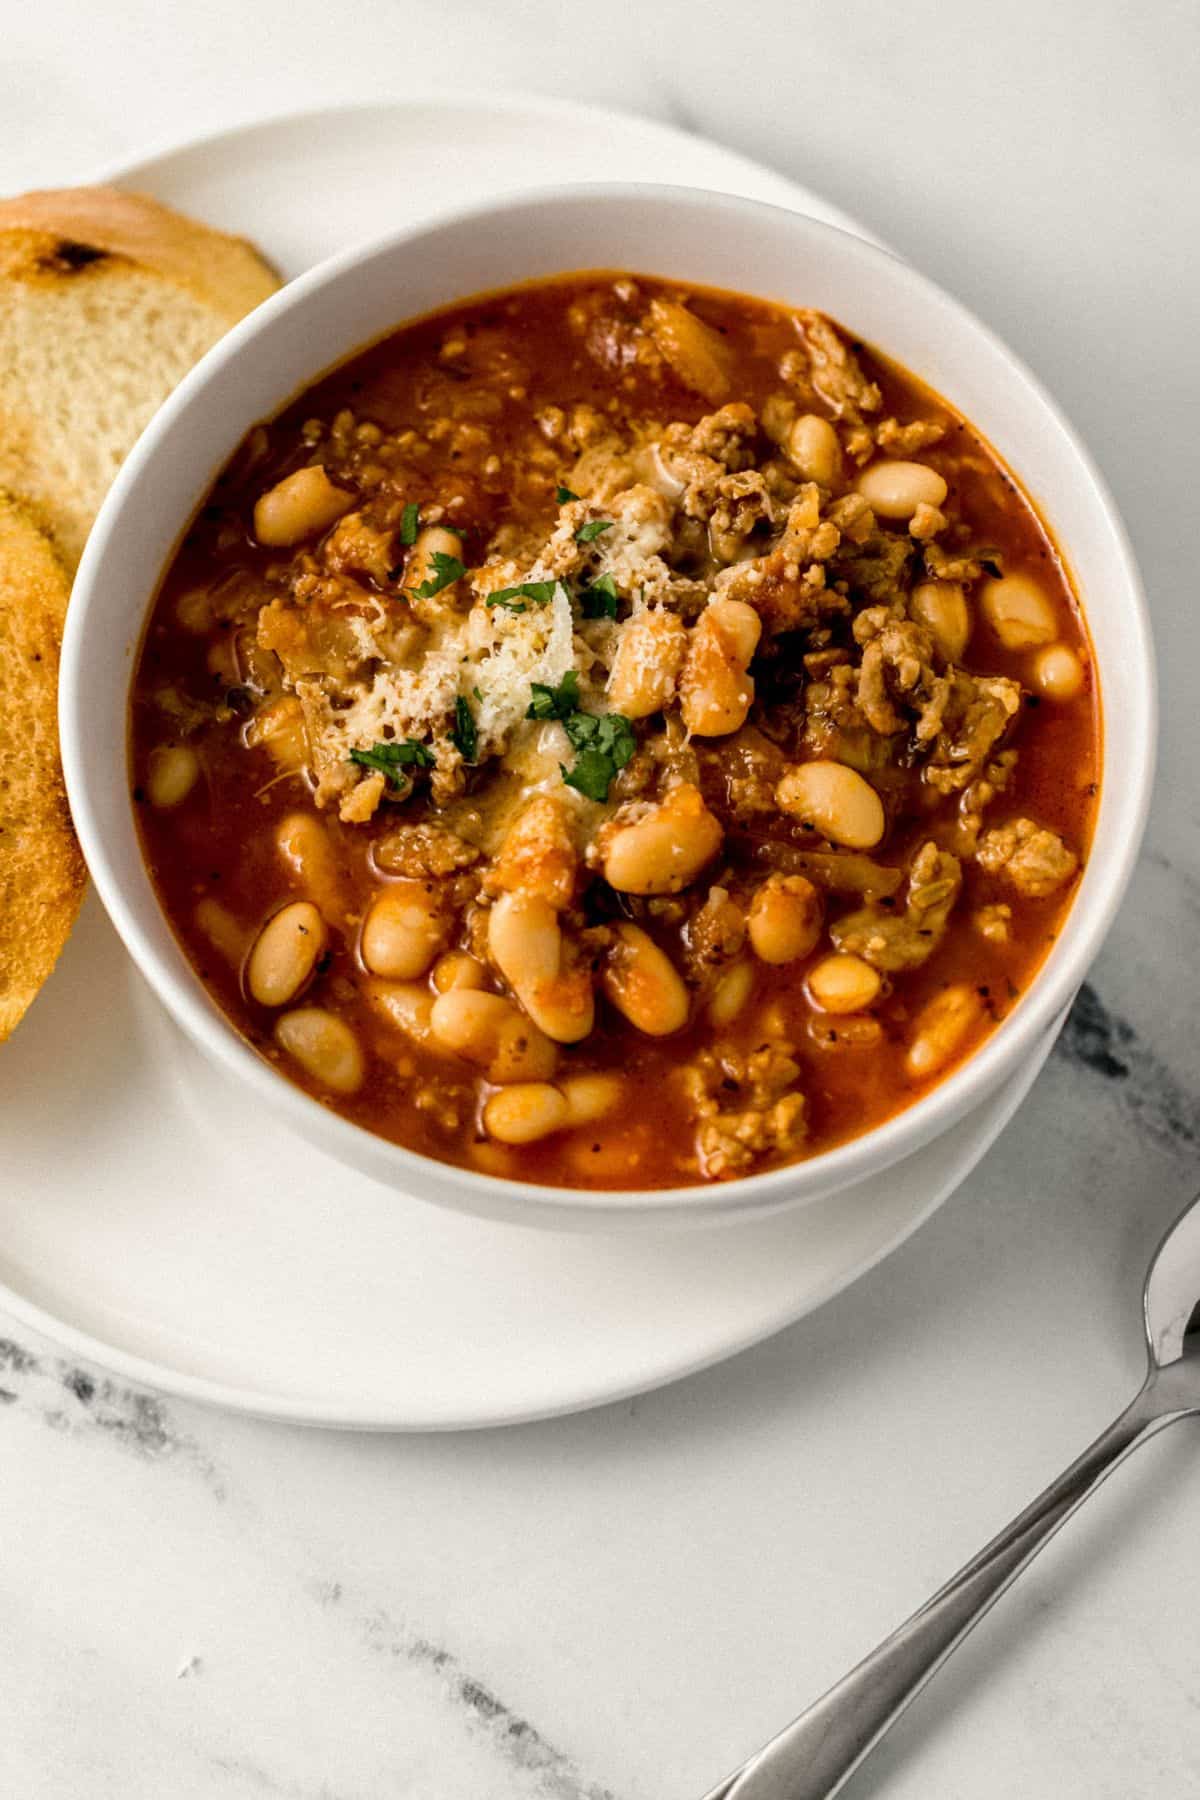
59 234
42 874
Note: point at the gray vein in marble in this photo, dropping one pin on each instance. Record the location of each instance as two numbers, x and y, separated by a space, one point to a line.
512 1736
1101 1042
16 1359
80 1402
71 1399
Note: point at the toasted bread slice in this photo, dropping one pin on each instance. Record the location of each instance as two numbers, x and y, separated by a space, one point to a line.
106 300
41 869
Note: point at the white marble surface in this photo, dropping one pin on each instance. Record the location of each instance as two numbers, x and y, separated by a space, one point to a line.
617 1606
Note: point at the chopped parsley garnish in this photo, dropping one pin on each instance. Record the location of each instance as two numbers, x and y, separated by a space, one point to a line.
410 518
555 703
464 737
587 534
563 494
446 570
600 600
392 759
513 599
604 743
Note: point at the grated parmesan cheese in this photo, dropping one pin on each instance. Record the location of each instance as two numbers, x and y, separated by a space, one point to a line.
507 653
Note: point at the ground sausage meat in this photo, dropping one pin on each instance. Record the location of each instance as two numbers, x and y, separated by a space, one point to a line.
1033 859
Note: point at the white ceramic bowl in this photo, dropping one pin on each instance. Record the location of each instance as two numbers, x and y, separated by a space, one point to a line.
707 238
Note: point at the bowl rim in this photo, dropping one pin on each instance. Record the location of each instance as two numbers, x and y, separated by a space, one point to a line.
1049 993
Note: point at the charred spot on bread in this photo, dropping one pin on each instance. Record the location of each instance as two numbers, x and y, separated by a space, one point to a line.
68 256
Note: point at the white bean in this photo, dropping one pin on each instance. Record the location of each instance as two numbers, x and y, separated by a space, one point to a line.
666 848
492 1032
1058 673
469 1022
941 606
834 800
731 994
539 853
171 775
895 489
526 943
324 1046
523 1052
285 953
298 507
1019 612
306 852
942 1025
785 919
525 1112
221 929
715 689
403 931
458 969
646 667
591 1097
406 1005
643 984
812 445
843 984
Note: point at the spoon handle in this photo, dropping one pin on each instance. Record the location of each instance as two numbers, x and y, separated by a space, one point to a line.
812 1758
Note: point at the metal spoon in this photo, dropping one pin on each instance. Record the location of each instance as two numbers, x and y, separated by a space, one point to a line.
814 1756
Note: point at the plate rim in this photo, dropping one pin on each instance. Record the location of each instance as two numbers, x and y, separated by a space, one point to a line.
250 1402
121 171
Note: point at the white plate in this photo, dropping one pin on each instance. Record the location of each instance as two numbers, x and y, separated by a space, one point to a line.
154 1221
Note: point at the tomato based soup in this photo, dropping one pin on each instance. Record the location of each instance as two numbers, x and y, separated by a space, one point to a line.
617 734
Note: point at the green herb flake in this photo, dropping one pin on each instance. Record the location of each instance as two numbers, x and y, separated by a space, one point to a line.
587 534
563 495
392 759
592 775
555 703
604 743
464 737
514 599
410 518
446 571
600 600
610 733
